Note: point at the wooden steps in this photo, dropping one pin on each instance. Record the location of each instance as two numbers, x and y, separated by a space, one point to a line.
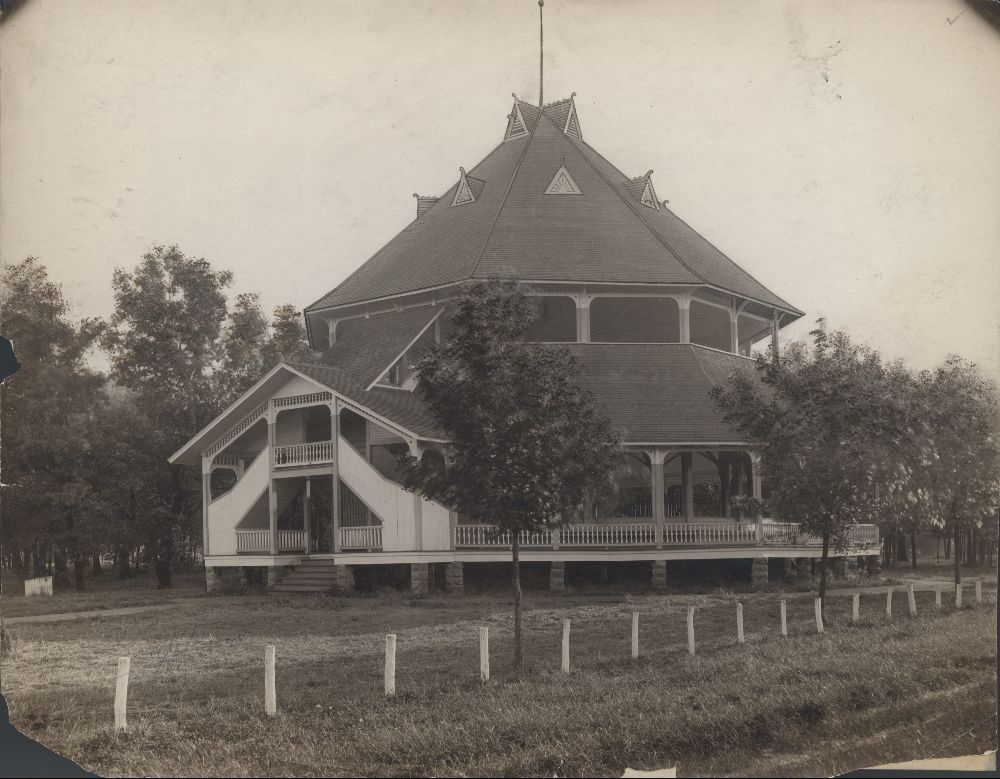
309 576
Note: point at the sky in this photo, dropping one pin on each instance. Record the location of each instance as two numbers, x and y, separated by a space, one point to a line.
844 152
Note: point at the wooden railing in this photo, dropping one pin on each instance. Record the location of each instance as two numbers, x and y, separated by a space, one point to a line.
291 540
317 453
253 540
369 537
716 533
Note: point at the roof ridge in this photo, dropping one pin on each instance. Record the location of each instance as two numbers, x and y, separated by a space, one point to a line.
506 194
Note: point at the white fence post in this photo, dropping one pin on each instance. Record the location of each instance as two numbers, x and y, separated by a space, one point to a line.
888 604
691 630
390 665
818 608
979 590
912 599
856 607
270 699
739 623
635 634
958 596
937 597
484 654
121 694
565 647
784 617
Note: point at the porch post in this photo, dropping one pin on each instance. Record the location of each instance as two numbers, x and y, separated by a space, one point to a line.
335 473
755 490
775 321
687 484
684 309
307 515
724 483
206 498
272 488
418 504
331 325
656 457
582 318
734 331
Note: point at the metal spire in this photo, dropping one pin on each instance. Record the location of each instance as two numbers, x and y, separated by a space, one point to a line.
541 53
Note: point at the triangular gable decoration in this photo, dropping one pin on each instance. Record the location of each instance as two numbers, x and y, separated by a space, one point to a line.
649 194
516 126
464 193
562 184
572 124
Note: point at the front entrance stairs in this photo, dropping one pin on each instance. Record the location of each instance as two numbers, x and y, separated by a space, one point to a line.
309 576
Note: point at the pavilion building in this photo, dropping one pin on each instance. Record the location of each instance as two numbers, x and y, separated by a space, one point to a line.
299 474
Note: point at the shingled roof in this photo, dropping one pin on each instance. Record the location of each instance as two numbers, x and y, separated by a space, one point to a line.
514 229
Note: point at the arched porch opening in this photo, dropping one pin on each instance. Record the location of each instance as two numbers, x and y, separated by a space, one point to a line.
634 320
710 326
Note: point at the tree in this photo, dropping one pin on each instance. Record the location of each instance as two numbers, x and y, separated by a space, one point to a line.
47 425
825 419
960 447
526 444
164 343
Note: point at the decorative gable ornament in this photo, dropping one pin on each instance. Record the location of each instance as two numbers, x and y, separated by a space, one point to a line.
648 198
516 126
572 126
562 184
464 192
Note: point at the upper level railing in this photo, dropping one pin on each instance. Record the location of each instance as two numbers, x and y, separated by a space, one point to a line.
303 400
317 453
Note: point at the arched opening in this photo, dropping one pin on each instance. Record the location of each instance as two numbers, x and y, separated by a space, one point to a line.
634 320
303 425
710 326
751 329
555 320
222 481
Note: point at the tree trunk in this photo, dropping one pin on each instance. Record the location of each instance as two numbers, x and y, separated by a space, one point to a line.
61 574
516 573
913 548
947 547
95 565
824 565
958 540
124 570
78 567
162 567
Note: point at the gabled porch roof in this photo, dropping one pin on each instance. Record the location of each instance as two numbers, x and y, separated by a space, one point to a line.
396 410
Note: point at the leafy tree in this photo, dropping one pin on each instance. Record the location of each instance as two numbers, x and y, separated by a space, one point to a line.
526 445
825 419
960 447
164 342
47 424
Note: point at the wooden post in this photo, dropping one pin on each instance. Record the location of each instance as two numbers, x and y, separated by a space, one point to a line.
270 699
565 647
888 604
307 515
390 665
121 694
739 623
912 599
937 597
856 608
484 654
818 608
635 634
691 630
784 617
979 590
958 596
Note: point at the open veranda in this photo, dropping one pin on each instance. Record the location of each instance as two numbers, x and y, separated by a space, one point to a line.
882 688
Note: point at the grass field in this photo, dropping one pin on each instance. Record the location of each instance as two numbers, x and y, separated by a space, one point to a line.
809 704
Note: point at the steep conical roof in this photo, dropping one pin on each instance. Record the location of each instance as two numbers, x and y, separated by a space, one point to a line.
526 225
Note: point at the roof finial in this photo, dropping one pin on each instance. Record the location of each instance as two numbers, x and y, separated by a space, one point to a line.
541 54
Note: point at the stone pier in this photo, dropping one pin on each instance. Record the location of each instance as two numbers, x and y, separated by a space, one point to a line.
659 575
758 573
454 578
557 576
419 578
345 578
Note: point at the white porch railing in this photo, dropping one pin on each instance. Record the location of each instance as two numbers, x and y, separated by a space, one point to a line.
674 534
303 400
607 535
368 537
291 540
705 533
253 540
317 453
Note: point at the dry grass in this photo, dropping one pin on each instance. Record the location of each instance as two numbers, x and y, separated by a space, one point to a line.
809 704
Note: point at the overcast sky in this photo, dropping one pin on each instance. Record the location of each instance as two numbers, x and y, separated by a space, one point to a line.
844 153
